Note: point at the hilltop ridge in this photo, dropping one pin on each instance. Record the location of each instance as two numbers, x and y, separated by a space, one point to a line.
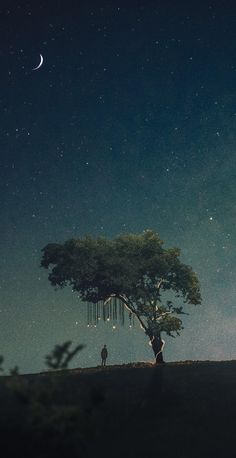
134 365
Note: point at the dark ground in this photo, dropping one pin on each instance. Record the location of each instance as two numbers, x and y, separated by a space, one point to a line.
181 410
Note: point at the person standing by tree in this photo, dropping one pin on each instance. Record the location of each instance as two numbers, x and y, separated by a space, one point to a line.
104 354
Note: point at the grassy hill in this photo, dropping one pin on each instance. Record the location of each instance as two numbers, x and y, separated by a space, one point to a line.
185 409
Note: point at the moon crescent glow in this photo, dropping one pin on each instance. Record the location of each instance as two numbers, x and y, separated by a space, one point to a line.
40 63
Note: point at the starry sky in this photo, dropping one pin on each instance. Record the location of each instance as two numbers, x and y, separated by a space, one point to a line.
128 125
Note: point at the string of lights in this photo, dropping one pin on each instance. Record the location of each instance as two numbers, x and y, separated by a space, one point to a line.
112 311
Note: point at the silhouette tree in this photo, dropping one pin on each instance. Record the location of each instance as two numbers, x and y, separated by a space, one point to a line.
14 371
45 419
60 357
149 280
1 361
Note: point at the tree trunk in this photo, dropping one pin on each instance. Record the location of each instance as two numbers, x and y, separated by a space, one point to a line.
157 346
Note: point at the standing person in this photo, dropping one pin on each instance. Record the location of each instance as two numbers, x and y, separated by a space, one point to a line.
104 354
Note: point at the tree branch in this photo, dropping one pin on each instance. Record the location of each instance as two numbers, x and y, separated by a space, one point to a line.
163 314
132 310
159 284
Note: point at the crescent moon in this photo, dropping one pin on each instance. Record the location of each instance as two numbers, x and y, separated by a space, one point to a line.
40 63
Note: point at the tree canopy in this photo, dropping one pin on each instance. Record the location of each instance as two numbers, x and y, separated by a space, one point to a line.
135 268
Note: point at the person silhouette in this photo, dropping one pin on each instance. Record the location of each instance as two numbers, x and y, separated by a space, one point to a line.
104 354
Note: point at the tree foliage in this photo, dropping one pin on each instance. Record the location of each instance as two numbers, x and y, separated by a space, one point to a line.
135 268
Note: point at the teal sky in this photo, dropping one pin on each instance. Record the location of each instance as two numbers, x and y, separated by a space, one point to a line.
129 124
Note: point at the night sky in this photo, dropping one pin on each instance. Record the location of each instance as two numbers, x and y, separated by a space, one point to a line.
129 124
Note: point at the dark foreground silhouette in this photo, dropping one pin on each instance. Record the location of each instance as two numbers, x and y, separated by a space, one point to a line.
181 410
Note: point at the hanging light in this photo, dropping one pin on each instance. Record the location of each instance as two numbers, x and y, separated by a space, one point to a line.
111 310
